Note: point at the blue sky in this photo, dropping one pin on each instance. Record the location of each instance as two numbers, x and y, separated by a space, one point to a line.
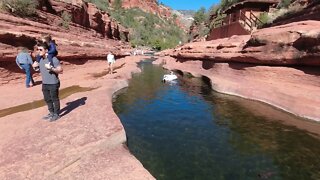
189 4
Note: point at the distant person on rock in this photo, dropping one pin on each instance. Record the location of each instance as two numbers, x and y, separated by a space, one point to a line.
50 81
111 61
52 51
24 62
134 52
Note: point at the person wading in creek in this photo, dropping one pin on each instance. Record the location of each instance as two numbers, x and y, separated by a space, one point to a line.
50 82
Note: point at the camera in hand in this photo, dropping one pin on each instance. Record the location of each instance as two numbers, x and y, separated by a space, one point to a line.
36 68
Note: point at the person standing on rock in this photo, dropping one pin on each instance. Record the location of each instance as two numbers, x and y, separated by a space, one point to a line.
50 82
111 61
24 62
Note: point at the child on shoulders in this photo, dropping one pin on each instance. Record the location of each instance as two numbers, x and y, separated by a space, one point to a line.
52 51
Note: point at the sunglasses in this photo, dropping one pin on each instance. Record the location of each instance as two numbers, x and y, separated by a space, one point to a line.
40 49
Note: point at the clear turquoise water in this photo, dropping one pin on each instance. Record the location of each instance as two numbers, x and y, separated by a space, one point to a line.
186 131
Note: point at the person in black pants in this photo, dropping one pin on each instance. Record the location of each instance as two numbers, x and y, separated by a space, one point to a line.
50 82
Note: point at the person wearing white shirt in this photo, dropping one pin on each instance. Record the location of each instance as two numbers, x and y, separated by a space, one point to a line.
111 61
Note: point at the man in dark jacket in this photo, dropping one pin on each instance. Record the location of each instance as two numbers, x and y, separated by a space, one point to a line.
24 62
50 82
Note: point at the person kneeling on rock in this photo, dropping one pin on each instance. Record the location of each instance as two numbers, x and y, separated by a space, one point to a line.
50 82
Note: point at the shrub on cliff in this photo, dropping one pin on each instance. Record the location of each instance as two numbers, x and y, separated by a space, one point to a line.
215 16
65 20
117 4
101 4
216 9
199 27
200 16
284 4
21 8
283 11
264 18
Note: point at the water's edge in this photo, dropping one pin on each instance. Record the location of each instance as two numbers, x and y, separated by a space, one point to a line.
141 132
226 85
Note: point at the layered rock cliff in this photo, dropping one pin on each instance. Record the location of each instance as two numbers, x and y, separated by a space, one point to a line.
278 65
89 16
291 44
153 7
150 6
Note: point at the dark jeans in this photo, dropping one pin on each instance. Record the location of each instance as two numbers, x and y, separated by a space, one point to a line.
51 97
27 70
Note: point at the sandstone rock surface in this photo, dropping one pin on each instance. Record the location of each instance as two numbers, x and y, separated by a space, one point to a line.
88 142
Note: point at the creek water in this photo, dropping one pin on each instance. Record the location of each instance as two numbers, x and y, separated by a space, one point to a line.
185 130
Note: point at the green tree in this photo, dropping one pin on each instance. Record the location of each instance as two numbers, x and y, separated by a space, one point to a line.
101 4
215 9
284 4
224 4
200 15
174 17
65 20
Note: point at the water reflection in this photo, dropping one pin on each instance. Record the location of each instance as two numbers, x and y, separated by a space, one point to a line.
293 151
143 87
186 131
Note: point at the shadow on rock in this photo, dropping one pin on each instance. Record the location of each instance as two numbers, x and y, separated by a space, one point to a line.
118 67
70 106
36 83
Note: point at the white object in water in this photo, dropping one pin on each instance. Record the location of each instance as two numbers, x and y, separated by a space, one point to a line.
169 77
